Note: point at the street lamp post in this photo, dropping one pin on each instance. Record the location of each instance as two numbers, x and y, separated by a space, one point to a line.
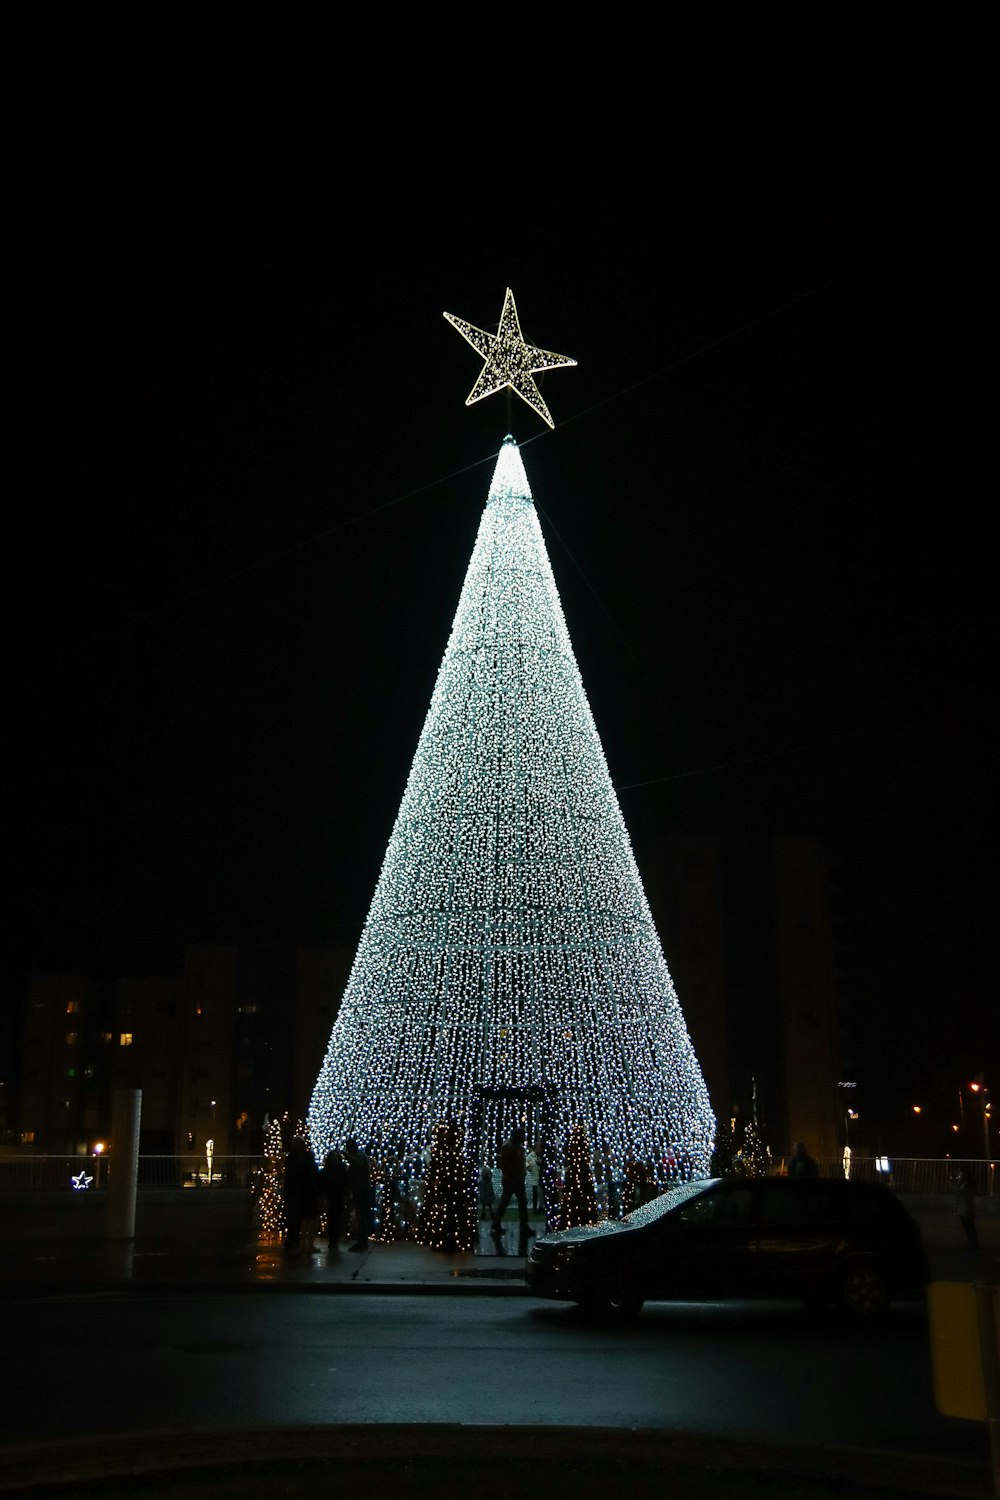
980 1090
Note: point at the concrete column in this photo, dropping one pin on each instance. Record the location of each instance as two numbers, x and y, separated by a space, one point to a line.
125 1112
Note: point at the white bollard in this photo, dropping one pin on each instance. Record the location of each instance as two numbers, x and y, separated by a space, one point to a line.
125 1112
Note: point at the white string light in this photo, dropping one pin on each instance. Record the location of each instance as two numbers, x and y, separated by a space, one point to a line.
509 942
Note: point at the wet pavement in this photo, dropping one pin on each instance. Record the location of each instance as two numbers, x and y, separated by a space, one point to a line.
234 1257
230 1256
241 1259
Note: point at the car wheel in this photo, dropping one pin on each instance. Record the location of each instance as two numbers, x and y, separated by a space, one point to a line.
864 1290
623 1307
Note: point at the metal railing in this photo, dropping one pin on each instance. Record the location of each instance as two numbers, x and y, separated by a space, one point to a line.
914 1174
23 1172
36 1173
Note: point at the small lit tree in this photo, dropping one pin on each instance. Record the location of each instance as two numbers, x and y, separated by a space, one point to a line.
272 1214
448 1213
579 1200
723 1156
752 1160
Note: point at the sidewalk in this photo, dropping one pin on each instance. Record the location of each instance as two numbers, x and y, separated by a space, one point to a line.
238 1260
234 1259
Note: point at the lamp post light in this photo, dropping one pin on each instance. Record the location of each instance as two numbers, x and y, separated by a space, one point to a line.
98 1153
980 1090
849 1115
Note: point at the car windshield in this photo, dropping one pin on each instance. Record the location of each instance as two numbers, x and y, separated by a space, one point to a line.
650 1212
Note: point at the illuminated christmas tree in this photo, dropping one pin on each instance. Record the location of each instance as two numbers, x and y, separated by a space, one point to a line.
752 1158
578 1204
509 946
723 1157
272 1214
448 1212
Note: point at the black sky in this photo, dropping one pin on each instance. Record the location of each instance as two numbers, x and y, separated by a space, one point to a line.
249 486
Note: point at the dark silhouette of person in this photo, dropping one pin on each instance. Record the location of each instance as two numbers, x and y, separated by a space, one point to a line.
487 1197
533 1168
359 1173
512 1166
802 1164
299 1191
965 1203
333 1186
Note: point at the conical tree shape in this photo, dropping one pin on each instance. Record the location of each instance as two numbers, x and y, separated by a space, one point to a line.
272 1212
448 1212
578 1204
509 943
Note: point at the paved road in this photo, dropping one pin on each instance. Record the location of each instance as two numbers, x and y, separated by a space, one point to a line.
115 1363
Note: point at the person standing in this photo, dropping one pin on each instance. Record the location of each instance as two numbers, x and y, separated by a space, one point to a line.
512 1172
487 1197
802 1164
333 1186
533 1177
299 1191
965 1203
359 1173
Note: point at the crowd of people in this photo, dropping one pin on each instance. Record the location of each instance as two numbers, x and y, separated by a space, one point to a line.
351 1195
311 1195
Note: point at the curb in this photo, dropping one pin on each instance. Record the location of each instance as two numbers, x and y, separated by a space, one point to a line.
609 1456
196 1286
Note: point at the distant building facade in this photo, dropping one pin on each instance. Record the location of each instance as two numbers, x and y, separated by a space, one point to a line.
237 1036
748 927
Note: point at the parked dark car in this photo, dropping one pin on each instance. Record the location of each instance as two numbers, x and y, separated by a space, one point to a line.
848 1242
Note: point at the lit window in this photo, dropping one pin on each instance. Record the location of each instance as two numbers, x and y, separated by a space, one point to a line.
27 1137
72 1007
71 1038
70 1072
107 1036
125 1040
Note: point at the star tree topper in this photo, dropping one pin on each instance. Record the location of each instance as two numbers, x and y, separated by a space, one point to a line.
509 360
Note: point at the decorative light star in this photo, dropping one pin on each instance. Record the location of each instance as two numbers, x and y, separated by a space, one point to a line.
81 1180
509 360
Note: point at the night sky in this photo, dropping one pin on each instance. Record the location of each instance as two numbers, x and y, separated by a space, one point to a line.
249 487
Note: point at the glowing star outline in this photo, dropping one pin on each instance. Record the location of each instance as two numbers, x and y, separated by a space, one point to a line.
509 360
81 1180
